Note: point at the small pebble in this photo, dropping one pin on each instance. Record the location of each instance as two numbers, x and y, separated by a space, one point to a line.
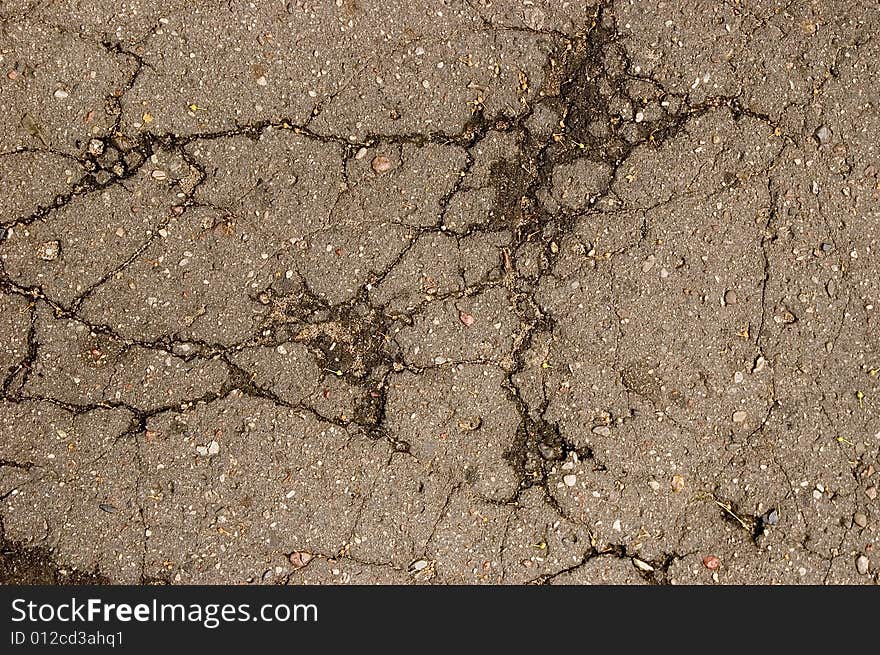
466 318
730 297
211 449
677 483
642 565
602 430
860 519
300 558
61 94
862 564
823 134
654 485
570 480
784 316
711 562
740 416
871 492
159 175
381 164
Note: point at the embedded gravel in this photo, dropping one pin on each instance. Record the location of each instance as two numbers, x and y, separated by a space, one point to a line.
439 292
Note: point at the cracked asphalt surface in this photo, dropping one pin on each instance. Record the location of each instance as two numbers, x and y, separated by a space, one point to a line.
439 292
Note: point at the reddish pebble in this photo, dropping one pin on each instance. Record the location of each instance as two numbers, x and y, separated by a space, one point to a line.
300 559
381 164
711 562
12 75
466 318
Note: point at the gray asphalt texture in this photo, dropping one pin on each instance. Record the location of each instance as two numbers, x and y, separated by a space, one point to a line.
439 292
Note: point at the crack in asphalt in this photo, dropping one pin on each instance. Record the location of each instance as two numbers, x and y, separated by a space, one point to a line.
355 343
